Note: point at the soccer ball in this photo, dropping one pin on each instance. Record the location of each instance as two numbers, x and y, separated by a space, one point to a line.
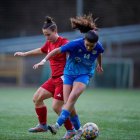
90 131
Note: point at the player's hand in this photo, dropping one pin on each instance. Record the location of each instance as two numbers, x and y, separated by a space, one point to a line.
38 64
99 69
19 54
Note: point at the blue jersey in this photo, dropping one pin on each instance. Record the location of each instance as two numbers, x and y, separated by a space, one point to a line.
80 61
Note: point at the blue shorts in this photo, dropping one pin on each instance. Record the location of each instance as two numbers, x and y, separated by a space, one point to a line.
70 79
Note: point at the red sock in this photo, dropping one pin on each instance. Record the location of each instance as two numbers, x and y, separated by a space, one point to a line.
68 125
42 114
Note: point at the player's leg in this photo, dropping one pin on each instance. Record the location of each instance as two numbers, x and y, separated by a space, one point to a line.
58 102
68 107
77 89
65 113
66 92
81 80
44 92
74 116
67 87
57 107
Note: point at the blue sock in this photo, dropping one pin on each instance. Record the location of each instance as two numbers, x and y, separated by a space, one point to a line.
75 121
62 117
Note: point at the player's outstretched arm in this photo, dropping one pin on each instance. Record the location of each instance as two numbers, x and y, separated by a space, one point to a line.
32 52
19 54
49 55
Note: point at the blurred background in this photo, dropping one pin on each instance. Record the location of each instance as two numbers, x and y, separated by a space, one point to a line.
119 30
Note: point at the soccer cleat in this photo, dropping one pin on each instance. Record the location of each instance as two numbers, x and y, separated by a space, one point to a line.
53 129
69 134
78 134
39 128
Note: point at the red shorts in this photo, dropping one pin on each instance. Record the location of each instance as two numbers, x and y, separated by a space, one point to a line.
55 86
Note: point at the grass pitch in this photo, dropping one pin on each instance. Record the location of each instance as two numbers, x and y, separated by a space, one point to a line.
116 112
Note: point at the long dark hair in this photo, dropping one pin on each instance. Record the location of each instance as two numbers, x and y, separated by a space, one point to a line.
83 23
86 24
49 24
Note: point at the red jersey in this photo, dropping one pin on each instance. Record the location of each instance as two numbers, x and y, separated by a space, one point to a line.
57 62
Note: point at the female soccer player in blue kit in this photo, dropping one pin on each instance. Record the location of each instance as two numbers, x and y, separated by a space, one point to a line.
80 66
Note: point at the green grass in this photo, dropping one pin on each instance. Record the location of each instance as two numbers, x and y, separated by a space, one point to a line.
116 112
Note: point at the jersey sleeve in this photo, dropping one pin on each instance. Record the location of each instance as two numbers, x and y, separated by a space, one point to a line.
69 47
44 48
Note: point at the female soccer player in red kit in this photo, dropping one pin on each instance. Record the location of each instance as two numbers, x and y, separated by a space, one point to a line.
54 86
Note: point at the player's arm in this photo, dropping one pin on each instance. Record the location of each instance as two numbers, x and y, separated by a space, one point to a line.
49 55
65 48
52 53
29 53
99 63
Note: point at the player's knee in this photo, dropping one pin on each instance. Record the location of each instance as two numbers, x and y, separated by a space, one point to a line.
37 99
